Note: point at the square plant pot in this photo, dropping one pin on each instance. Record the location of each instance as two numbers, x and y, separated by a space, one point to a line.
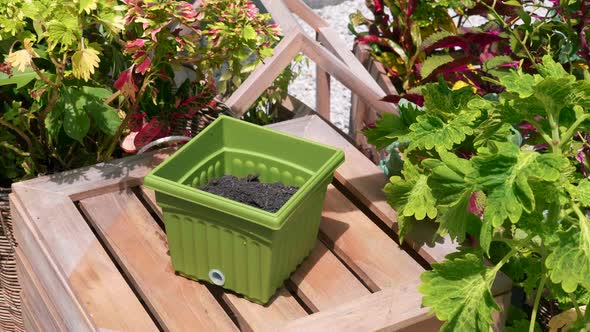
231 244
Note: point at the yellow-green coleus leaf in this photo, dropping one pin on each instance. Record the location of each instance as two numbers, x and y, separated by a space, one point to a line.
452 192
22 59
503 172
84 62
431 132
569 261
64 31
87 5
410 196
458 292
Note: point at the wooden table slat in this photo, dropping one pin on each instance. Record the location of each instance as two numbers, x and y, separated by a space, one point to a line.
72 265
323 282
38 305
140 247
371 253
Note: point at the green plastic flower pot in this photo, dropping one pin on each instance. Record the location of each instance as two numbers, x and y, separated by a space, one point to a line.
230 244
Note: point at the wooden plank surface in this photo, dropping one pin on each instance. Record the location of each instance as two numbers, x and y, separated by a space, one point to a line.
282 308
307 14
29 322
39 308
140 247
321 281
72 265
373 255
392 309
100 178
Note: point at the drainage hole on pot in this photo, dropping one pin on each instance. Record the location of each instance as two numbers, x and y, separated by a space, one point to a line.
217 277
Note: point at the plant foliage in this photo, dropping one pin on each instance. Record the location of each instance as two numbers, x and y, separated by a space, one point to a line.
509 170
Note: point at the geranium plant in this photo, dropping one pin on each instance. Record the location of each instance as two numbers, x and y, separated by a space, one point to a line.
510 170
56 60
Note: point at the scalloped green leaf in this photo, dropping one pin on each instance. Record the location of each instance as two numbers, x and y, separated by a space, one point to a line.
569 260
452 192
582 192
391 127
503 171
410 195
519 83
430 132
458 292
440 99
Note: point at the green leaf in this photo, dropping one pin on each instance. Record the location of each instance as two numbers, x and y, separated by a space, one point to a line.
64 31
386 131
458 292
522 325
87 6
248 32
98 93
54 120
452 193
550 68
492 129
512 3
84 62
433 62
431 132
18 78
503 171
76 122
519 83
583 192
553 93
107 119
569 260
266 52
410 195
440 99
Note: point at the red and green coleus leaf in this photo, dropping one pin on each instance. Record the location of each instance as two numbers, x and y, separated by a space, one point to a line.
471 42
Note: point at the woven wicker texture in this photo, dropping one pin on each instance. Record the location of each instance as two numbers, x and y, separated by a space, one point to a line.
10 302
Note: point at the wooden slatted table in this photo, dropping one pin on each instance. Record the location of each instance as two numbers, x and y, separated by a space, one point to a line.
92 256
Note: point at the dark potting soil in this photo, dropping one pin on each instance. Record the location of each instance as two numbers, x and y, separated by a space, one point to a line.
249 190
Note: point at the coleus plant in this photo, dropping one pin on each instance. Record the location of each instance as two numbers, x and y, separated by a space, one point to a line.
508 169
56 61
419 41
177 50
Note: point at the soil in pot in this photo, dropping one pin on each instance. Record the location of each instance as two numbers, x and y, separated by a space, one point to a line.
249 190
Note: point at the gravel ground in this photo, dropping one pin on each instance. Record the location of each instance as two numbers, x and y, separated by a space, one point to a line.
304 86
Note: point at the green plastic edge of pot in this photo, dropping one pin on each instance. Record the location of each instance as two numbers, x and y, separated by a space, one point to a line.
255 250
